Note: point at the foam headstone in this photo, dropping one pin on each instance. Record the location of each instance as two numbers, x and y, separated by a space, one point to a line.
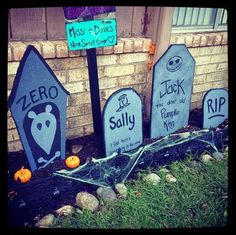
215 107
172 86
38 106
122 121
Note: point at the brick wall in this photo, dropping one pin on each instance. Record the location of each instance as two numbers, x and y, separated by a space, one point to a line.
123 65
120 66
210 51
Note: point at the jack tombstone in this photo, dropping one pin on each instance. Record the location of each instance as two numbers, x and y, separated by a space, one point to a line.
38 106
215 107
122 121
172 86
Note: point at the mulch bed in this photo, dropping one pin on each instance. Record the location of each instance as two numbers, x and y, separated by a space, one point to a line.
45 193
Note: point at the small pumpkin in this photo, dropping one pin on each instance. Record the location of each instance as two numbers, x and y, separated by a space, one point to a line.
72 162
24 175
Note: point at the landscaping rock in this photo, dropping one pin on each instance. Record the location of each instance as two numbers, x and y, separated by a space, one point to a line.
164 170
196 165
218 155
206 158
106 194
46 221
87 201
77 210
65 210
99 192
152 178
75 148
121 190
170 178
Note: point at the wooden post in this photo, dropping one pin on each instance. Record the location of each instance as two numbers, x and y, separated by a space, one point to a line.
161 37
94 94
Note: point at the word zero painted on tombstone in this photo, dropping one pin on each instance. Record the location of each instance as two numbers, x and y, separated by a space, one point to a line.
91 34
215 107
122 121
38 106
172 86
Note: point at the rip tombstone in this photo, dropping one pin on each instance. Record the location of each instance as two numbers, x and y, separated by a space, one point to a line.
38 106
215 107
172 87
122 121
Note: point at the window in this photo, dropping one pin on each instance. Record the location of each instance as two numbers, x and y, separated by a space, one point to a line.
199 19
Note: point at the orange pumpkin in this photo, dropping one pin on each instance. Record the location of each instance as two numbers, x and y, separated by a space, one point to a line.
72 162
24 175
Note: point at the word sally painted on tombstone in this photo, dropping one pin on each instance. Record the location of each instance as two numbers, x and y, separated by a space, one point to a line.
172 86
122 121
38 106
91 34
215 107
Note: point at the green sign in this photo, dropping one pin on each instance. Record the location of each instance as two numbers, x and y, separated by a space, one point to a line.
91 34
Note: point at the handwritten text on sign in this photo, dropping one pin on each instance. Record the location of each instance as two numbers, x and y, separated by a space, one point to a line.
122 121
172 89
91 34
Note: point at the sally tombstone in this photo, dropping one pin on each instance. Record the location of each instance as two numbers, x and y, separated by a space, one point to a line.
215 107
122 121
172 86
38 106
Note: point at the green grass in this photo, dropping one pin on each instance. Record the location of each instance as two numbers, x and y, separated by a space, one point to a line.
197 199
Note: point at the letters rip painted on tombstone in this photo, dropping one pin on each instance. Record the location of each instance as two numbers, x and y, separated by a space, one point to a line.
172 86
215 107
38 106
122 121
91 34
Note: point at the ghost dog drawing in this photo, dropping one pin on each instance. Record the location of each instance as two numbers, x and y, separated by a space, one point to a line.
43 125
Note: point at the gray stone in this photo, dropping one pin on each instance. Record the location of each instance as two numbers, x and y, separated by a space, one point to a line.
107 195
196 165
87 201
164 170
218 155
65 210
77 210
99 192
206 158
170 178
152 178
121 190
46 221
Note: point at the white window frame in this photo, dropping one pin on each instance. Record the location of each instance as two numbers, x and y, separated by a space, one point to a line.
204 28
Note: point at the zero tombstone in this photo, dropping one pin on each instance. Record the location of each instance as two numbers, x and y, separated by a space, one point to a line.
172 86
215 107
38 106
122 121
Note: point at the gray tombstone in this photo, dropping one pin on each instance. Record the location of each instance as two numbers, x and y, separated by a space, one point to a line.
172 86
215 107
38 106
122 121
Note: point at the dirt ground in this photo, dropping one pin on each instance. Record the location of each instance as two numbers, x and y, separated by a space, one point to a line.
45 193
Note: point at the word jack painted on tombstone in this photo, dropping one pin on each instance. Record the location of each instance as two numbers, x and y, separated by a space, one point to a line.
171 92
215 107
122 121
38 106
91 34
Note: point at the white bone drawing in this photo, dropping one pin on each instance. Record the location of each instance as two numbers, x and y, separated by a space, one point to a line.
41 159
43 128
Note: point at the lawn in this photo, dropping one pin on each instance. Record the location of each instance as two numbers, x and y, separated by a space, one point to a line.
197 199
